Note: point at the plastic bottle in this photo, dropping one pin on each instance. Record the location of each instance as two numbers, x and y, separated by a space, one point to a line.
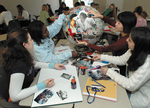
73 83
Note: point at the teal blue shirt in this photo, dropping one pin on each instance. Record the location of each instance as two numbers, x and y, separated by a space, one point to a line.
45 52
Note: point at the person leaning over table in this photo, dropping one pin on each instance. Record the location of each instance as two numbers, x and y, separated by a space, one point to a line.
43 43
126 21
19 66
137 59
22 13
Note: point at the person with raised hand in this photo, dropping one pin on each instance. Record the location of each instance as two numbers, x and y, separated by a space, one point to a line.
44 45
126 21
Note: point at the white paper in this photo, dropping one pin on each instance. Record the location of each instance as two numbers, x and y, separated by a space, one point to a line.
74 95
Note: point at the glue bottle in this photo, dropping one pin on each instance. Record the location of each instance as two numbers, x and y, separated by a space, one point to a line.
73 83
82 70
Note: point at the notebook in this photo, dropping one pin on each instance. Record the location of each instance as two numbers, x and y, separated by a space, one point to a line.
107 91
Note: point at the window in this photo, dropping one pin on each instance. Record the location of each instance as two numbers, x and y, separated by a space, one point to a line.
69 3
87 2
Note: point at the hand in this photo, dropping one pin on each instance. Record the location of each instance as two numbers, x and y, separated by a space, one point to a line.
74 54
81 42
49 83
96 15
104 70
59 66
68 11
96 57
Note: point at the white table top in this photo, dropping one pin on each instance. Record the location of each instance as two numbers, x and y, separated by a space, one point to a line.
122 98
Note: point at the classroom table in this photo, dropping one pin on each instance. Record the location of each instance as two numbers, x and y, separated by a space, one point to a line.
3 37
110 35
122 98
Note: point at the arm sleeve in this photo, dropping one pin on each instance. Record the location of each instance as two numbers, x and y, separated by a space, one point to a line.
120 44
118 60
25 15
56 26
1 18
42 56
109 21
95 47
15 88
137 79
43 65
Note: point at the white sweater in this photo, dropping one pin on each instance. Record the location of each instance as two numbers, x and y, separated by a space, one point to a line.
5 17
138 82
16 81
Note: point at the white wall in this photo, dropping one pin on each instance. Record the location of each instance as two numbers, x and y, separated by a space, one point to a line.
32 6
118 4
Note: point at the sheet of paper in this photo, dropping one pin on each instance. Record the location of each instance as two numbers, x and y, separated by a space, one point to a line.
60 49
61 83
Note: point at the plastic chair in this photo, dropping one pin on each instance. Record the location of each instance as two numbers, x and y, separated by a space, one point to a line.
4 82
13 24
4 95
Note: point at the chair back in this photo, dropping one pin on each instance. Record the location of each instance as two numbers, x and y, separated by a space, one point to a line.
4 82
13 24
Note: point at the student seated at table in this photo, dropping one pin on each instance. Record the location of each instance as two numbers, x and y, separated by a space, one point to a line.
137 80
20 66
126 21
23 16
5 17
43 43
111 12
22 13
141 21
62 8
44 16
50 12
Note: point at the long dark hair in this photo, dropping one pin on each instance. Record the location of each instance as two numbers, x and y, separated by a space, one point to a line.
139 10
35 29
15 50
141 39
50 12
2 8
20 10
128 20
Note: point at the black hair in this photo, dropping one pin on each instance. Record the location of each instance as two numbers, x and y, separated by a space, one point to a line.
15 50
82 3
141 39
2 8
92 4
76 4
63 3
35 29
139 10
20 7
72 16
128 20
50 12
